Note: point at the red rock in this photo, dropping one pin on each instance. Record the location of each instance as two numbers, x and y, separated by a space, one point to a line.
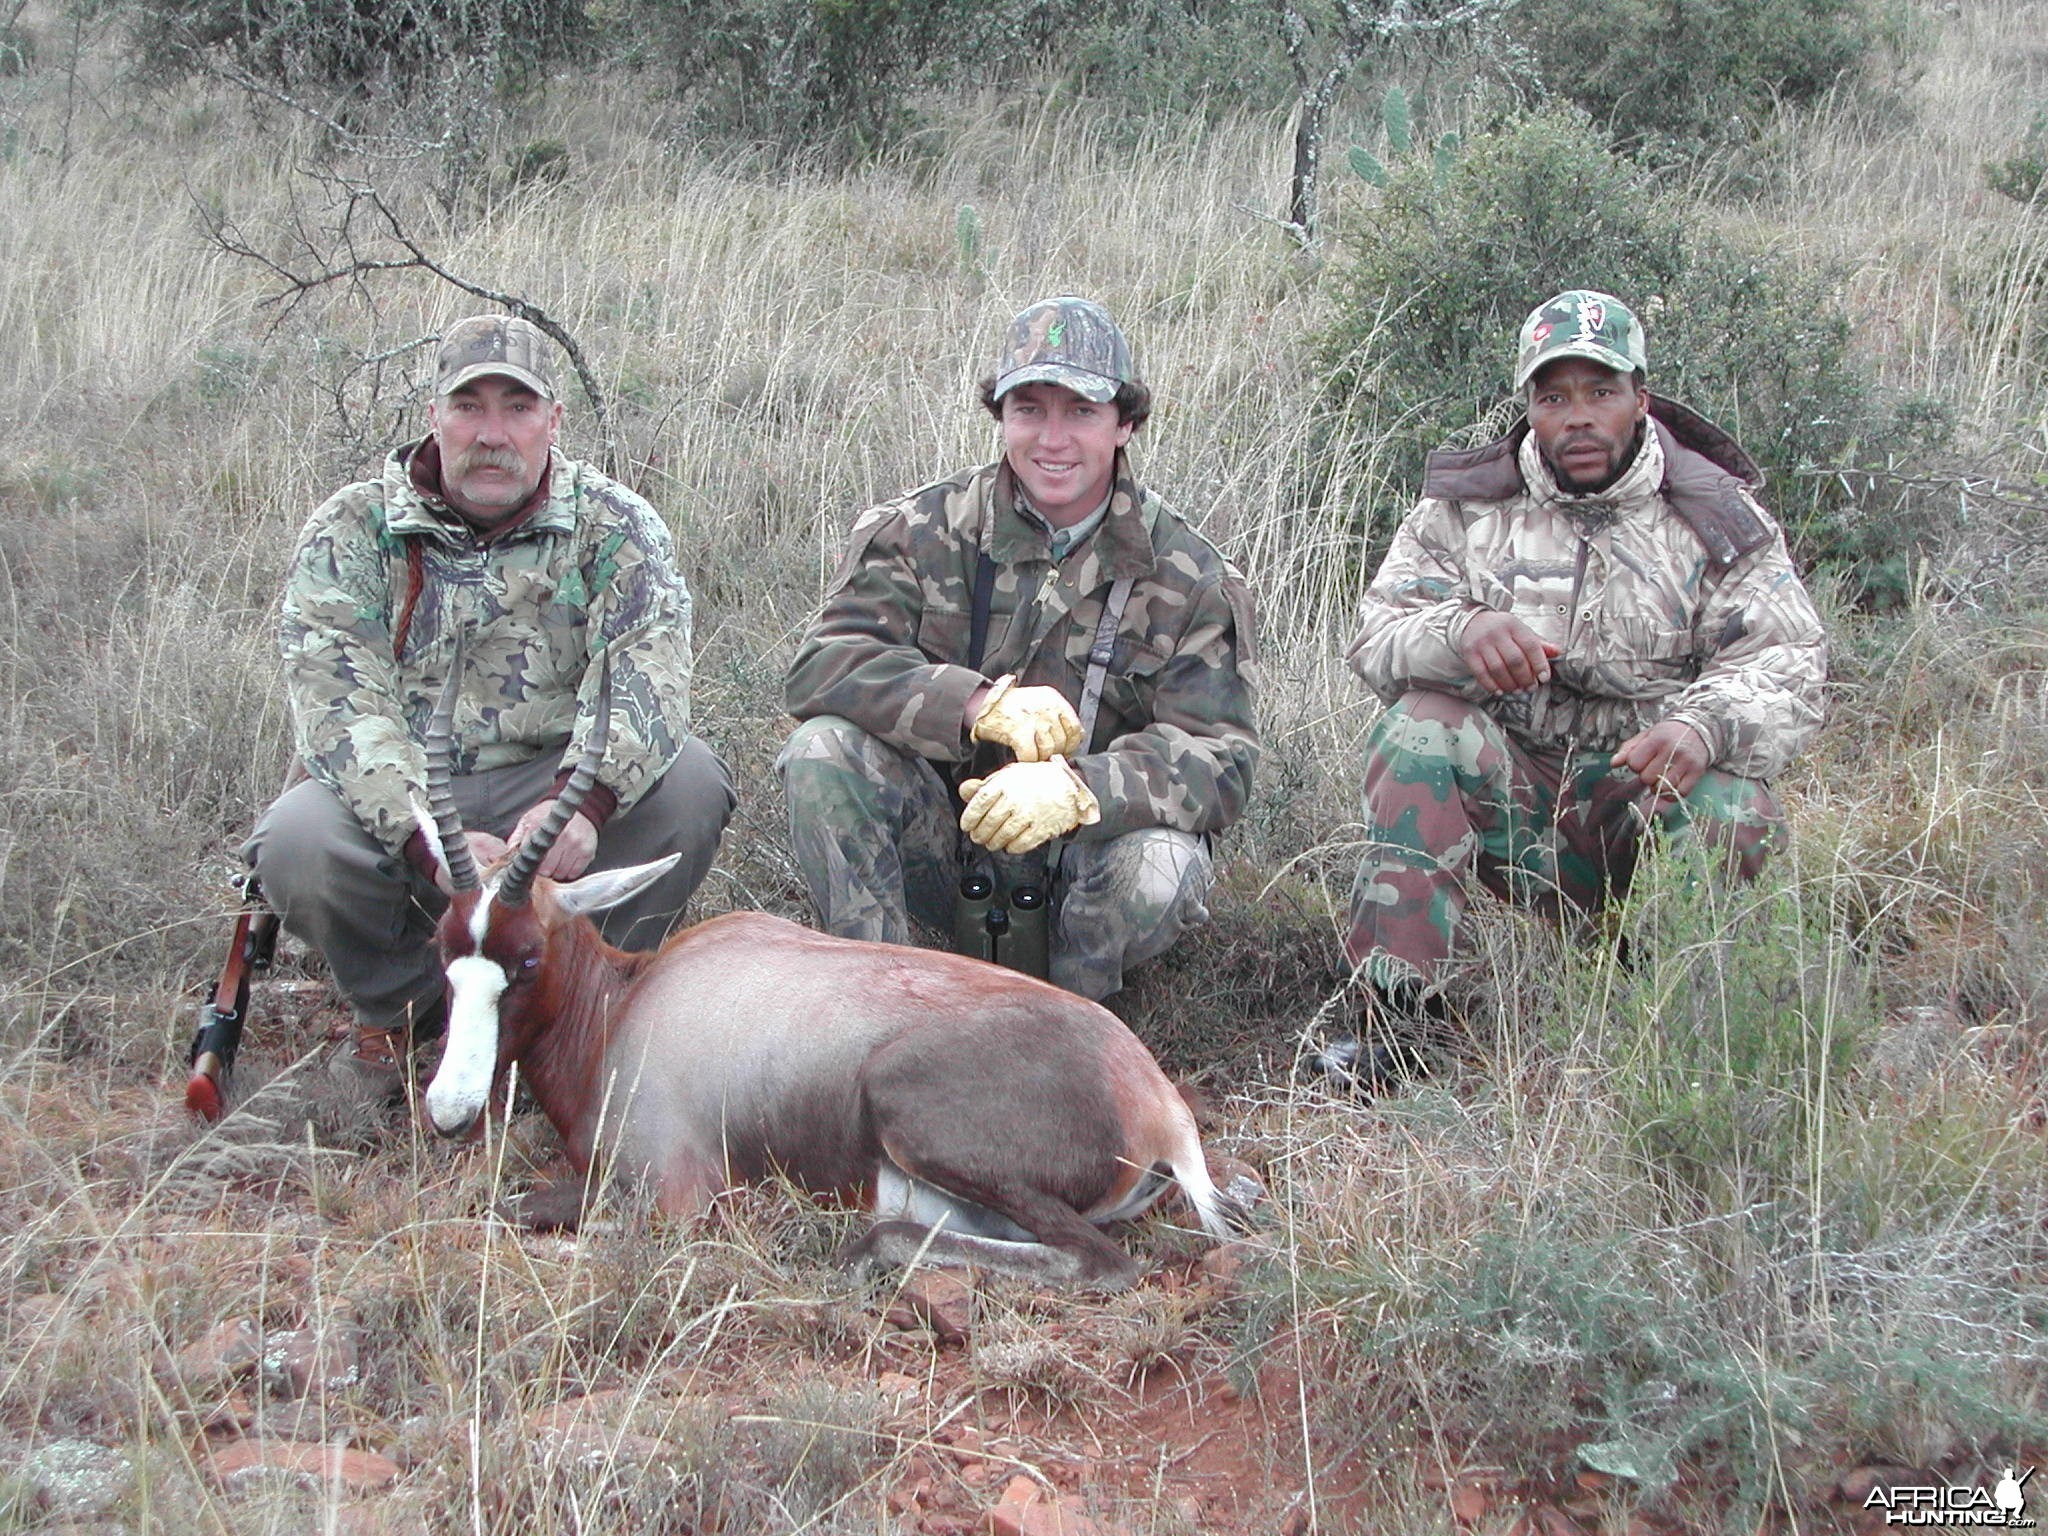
233 1415
318 1466
1469 1502
1222 1265
309 1361
589 1431
1552 1521
230 1349
1026 1510
941 1302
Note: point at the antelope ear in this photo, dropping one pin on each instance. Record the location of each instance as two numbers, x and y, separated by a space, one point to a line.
594 893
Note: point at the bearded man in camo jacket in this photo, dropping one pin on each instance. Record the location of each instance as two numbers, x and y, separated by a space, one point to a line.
1587 633
547 571
912 704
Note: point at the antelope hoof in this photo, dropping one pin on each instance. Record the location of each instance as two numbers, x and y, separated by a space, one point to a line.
556 1207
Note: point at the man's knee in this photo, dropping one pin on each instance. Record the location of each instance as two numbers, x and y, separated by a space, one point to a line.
685 811
1148 887
308 846
1434 739
831 744
1738 819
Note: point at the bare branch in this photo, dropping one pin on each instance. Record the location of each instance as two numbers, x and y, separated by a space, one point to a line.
343 250
1360 25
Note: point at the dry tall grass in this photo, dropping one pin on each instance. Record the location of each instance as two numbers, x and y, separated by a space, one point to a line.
1769 1204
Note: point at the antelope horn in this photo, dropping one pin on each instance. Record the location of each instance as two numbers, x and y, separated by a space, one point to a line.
440 797
516 885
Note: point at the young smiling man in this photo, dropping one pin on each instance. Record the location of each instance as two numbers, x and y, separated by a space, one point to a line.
546 569
1034 667
1587 630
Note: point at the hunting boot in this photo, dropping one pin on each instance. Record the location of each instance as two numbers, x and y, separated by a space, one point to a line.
1396 1026
374 1064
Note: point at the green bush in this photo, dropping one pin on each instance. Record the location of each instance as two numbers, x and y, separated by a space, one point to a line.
1673 77
1730 1037
365 46
826 78
1422 346
2020 174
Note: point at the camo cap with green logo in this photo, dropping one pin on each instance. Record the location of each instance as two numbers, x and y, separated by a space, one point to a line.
494 344
1581 323
1071 342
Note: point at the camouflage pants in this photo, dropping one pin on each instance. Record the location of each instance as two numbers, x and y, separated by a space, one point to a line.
1449 795
877 834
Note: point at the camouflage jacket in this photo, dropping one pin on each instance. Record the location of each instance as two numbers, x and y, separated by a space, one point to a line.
1174 742
1670 596
589 571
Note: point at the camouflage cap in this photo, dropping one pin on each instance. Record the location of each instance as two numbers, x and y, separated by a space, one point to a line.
1071 342
494 344
1581 323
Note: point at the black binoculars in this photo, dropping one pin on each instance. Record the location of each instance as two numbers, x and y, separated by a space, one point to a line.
1004 926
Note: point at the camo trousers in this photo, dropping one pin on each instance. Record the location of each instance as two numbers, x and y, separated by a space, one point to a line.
876 832
1449 795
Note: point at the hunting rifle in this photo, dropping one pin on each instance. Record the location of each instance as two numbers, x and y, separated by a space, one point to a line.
226 1008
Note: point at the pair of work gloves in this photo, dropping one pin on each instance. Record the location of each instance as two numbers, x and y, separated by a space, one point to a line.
1026 804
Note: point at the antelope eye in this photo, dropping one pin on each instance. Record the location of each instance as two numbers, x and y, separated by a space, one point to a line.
530 963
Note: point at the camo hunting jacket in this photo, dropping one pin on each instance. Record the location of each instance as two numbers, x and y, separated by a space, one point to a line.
1670 597
1175 741
589 572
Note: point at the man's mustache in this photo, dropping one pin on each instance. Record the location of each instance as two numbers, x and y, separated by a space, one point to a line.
487 458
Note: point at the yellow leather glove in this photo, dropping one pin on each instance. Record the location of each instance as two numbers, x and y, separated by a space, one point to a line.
1022 805
1034 723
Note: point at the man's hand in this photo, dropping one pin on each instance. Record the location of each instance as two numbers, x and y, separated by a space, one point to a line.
573 850
1035 723
1668 758
1022 805
1505 654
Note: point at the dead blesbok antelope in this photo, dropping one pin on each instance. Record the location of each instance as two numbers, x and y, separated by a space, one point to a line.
985 1116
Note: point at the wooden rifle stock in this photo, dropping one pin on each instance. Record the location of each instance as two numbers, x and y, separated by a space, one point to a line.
226 1009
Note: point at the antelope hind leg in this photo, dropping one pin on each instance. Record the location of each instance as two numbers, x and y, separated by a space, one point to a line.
897 1244
556 1207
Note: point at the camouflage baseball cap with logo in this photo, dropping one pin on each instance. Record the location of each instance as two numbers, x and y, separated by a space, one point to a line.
1071 342
494 344
1581 323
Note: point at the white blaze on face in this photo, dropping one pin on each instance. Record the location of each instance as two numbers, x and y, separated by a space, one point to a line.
463 1084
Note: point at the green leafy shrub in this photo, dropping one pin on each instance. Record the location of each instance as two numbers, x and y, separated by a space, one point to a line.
1422 347
399 46
1731 1036
2020 174
826 78
1673 77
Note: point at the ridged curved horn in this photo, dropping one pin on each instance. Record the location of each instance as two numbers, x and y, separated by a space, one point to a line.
440 796
517 884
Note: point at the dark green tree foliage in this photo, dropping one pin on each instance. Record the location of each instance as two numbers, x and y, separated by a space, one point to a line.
837 80
1674 77
1452 262
822 77
400 47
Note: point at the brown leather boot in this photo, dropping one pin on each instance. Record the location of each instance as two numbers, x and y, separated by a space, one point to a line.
372 1064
